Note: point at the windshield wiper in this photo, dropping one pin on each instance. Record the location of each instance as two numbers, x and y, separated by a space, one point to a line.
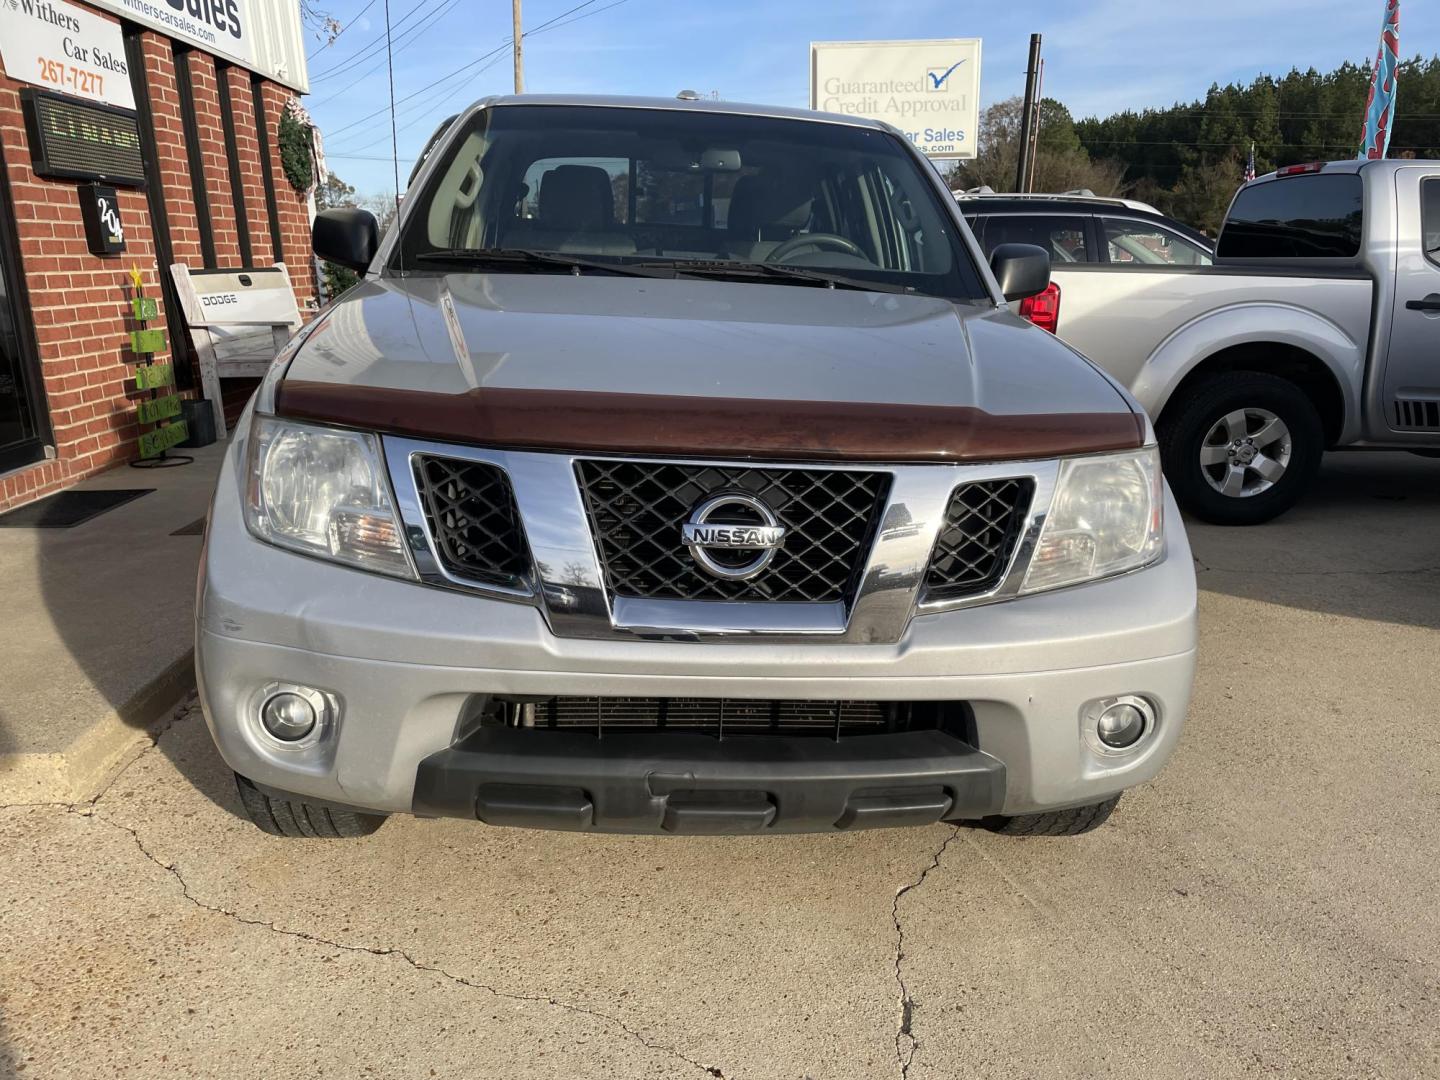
524 257
725 268
658 268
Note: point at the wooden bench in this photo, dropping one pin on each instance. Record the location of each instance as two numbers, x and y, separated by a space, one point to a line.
238 321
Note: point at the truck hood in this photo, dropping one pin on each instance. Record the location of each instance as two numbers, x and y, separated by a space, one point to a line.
700 368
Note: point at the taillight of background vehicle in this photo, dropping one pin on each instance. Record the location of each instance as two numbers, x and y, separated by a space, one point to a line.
1043 309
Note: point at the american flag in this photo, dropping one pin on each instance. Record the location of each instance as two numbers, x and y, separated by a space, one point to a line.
1250 164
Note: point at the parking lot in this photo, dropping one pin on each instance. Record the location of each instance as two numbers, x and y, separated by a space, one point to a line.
1267 907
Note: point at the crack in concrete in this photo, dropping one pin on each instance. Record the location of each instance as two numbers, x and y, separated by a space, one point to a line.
89 811
905 1042
180 712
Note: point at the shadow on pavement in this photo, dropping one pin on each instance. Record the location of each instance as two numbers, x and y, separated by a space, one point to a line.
199 762
99 617
1364 544
9 1065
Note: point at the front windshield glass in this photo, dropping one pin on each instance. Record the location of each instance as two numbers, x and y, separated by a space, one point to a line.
686 191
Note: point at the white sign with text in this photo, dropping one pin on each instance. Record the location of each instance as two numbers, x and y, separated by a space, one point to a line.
220 27
65 47
928 89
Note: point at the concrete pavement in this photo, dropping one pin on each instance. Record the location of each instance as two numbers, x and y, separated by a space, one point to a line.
97 630
1265 908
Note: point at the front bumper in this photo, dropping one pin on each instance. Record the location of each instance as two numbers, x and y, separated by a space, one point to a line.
405 663
696 784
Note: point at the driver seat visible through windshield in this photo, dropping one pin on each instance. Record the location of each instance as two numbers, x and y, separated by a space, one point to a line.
765 211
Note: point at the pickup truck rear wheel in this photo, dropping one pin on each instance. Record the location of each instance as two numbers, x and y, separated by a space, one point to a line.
1072 822
294 817
1241 448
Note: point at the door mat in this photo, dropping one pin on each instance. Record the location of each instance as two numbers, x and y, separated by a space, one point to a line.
68 508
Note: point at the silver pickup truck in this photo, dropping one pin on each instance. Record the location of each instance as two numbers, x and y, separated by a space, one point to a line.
1317 328
678 467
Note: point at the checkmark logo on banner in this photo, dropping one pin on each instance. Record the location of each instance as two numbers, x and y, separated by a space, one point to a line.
939 80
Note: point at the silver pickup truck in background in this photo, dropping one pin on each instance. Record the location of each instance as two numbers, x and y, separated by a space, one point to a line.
1317 328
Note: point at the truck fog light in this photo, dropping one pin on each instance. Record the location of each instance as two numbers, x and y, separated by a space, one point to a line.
1120 726
288 717
1117 725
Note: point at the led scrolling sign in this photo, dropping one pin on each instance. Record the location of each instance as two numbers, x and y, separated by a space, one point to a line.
83 140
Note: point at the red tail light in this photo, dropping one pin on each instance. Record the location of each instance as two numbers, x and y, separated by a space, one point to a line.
1043 309
1299 170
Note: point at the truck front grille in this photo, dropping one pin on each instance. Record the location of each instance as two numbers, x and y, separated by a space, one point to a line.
722 717
471 514
636 511
982 524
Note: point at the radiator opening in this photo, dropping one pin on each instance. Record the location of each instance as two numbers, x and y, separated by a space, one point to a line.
721 718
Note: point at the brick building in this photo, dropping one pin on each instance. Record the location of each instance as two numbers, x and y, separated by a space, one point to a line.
193 92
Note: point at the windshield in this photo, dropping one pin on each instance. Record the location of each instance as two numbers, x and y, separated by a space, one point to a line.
692 192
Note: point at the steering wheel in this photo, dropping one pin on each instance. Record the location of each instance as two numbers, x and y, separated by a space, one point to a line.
818 241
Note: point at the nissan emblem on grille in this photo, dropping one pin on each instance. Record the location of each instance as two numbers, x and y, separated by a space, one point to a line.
738 525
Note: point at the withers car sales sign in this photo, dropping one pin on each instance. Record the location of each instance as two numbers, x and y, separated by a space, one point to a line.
67 48
223 27
928 89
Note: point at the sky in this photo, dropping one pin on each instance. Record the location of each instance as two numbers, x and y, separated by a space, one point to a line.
1101 56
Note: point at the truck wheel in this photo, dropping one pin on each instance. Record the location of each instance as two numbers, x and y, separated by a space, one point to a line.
292 817
1072 822
1242 448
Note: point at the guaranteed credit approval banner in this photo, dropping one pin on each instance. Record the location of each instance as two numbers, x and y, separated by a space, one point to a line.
928 89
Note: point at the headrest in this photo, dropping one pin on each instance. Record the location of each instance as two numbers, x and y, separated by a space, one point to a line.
576 198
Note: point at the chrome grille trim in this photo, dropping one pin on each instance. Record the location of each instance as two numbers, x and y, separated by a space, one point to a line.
472 519
978 537
567 582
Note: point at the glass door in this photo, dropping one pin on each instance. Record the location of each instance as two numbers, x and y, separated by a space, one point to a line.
21 409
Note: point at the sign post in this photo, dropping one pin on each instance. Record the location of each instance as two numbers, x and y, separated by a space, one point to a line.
930 90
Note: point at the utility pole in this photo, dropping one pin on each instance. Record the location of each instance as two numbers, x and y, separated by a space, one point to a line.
1027 116
519 60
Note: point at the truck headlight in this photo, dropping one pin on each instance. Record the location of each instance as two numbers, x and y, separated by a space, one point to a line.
323 492
1107 517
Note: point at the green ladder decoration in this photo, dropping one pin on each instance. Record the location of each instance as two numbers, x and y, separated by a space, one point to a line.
159 404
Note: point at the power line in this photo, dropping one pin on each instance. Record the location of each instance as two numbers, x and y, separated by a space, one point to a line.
394 141
425 102
412 34
353 20
372 48
1184 143
465 67
417 93
577 18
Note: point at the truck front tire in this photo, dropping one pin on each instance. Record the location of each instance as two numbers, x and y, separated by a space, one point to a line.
294 817
1240 448
1072 822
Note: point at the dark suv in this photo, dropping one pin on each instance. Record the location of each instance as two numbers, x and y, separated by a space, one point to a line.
1077 228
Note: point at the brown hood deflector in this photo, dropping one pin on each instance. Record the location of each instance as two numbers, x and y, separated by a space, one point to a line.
705 427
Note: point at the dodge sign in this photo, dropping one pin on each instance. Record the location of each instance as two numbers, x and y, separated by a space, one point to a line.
928 89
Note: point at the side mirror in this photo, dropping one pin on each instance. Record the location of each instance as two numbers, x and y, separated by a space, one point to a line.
346 236
1021 269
